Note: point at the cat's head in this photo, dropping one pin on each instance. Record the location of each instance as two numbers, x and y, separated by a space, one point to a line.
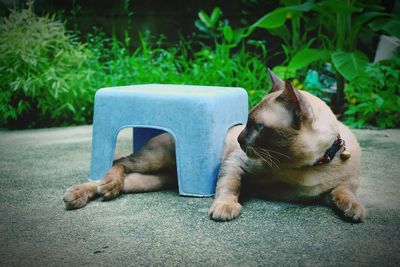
287 125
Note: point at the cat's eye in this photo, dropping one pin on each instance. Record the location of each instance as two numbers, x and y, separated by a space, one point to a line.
258 126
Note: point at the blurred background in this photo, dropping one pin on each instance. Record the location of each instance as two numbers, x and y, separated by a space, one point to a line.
54 55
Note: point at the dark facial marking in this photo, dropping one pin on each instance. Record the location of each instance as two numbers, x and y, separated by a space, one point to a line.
249 133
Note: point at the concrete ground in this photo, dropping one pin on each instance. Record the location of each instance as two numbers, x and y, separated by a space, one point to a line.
162 228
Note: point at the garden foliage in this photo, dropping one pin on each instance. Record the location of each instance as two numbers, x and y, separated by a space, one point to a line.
45 78
374 96
49 78
328 31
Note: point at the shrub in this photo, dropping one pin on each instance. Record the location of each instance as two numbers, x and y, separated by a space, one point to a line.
315 32
178 64
43 82
50 78
373 99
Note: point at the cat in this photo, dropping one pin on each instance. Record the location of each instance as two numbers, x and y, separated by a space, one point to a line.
288 151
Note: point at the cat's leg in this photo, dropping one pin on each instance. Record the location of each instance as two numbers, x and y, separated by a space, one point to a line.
157 155
344 199
138 182
110 186
77 196
226 203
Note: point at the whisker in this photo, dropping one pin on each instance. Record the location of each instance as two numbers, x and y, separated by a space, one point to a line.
271 158
261 157
276 152
269 155
266 157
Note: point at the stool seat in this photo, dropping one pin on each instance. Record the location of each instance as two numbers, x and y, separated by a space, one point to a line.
198 117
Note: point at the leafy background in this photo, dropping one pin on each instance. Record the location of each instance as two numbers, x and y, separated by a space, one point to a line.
51 67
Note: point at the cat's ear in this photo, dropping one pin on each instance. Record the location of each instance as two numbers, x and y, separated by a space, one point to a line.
277 83
295 99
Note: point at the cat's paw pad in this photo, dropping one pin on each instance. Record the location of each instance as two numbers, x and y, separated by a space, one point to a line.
110 188
75 197
224 211
352 210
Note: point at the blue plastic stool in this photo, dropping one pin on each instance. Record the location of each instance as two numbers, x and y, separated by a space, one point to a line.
198 117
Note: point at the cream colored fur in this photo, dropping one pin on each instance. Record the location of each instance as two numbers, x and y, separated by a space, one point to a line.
297 178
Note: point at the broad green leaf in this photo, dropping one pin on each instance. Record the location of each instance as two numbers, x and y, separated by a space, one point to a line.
238 35
216 13
365 17
349 64
307 6
307 56
228 33
282 32
273 19
277 17
203 28
389 25
204 18
339 6
360 20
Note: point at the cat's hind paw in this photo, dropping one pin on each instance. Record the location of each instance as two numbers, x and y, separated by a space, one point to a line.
224 210
110 188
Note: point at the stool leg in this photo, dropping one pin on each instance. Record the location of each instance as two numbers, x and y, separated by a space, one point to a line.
103 145
198 161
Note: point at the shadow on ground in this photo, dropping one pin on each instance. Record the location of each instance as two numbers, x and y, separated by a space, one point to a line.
162 228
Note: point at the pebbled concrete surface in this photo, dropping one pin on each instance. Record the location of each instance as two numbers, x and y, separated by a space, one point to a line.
162 228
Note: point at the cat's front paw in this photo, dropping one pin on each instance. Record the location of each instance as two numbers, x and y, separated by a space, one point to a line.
76 197
110 188
224 210
350 209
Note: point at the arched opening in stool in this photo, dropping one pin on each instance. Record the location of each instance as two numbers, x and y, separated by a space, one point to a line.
131 139
123 144
154 165
183 167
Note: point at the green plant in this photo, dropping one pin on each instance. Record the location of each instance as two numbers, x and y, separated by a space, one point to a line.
43 82
295 34
373 98
151 62
242 68
213 26
339 25
50 78
179 64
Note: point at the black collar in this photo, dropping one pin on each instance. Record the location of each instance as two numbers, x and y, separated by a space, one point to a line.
331 152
